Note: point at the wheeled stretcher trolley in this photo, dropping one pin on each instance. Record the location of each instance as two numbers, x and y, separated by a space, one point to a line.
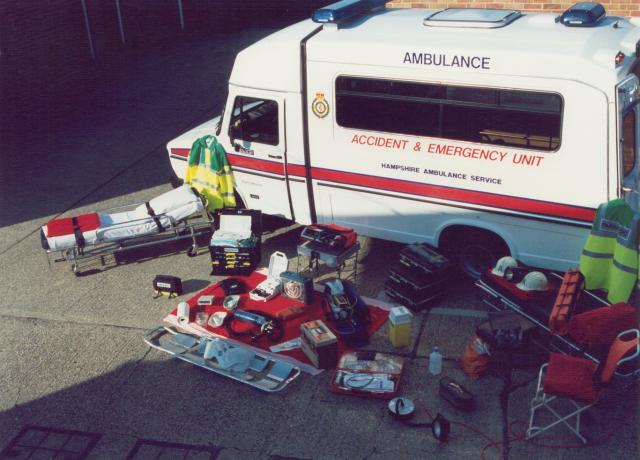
174 221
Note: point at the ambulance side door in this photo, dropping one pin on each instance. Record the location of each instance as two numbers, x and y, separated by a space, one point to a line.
257 150
630 163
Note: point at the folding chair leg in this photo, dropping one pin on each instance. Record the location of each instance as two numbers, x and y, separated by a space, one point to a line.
544 402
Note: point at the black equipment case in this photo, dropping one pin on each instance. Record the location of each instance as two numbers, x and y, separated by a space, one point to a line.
420 275
167 285
235 260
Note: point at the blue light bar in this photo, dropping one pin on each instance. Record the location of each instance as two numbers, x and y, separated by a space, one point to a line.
583 14
345 10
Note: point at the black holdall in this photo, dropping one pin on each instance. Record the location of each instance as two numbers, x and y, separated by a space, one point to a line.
167 285
456 394
346 312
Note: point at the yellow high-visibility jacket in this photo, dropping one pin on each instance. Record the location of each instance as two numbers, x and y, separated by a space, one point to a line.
208 171
609 258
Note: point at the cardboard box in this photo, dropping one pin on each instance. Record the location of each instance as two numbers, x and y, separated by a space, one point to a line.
319 344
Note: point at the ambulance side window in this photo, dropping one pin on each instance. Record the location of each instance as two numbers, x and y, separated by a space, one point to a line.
629 142
526 119
254 120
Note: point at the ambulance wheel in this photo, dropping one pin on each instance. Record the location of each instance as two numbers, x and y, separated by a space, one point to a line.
476 250
475 259
192 251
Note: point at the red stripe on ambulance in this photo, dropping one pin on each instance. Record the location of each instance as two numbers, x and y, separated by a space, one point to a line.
459 195
254 163
415 188
180 152
297 170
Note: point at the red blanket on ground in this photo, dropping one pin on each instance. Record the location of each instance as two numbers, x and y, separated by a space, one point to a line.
273 306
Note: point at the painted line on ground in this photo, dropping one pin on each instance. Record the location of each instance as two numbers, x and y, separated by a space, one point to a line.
459 312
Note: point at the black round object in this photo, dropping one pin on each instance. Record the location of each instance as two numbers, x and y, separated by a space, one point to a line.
441 427
232 286
401 408
192 251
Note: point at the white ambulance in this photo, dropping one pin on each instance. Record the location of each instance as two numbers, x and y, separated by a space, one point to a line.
478 130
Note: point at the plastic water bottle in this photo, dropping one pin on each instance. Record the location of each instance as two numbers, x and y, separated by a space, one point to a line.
435 361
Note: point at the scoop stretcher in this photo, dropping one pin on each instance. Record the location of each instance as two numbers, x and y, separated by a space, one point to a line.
229 360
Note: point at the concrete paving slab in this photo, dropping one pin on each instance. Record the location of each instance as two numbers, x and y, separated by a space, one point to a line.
612 422
113 445
52 372
447 332
34 287
231 453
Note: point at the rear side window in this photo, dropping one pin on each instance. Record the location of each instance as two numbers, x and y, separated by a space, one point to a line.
254 120
524 119
629 153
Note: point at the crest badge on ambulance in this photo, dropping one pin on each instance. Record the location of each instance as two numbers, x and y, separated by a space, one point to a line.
319 106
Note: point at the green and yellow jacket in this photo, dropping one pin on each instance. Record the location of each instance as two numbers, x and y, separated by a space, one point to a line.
609 259
208 171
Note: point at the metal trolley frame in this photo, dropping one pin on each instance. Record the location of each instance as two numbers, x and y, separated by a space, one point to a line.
498 301
186 234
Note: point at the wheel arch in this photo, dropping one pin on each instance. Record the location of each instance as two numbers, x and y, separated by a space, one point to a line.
450 230
474 247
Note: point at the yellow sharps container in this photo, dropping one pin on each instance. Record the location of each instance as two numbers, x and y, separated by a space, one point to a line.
400 326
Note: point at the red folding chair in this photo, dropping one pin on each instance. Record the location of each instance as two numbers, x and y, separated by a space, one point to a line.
579 381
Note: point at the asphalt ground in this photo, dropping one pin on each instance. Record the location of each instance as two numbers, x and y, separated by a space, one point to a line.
71 350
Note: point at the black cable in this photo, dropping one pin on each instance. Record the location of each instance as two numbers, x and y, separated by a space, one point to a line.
272 328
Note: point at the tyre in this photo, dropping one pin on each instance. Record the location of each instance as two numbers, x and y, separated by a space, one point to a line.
192 251
475 250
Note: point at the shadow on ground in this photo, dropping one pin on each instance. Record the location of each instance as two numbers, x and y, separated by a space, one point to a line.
78 145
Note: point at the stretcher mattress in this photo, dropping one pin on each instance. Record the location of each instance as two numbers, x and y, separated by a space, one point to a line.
169 208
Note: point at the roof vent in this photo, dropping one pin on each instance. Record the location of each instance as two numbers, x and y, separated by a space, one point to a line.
584 14
483 18
344 10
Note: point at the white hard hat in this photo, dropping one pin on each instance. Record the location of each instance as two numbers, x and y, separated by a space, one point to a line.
533 281
502 265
